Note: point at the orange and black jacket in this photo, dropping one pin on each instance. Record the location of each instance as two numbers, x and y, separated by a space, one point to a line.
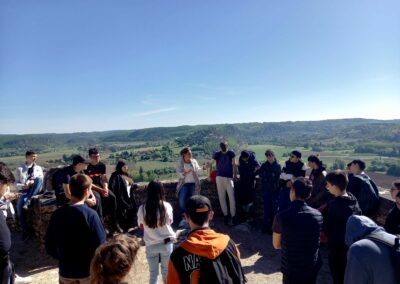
184 264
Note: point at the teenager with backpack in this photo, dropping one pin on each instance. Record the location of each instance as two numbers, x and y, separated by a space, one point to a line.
156 217
363 188
205 256
373 255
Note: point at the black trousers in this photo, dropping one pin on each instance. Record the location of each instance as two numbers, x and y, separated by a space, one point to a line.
337 263
109 206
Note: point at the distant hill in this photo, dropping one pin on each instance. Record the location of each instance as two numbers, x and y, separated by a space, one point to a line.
336 132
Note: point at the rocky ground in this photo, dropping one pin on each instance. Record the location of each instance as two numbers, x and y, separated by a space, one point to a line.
260 261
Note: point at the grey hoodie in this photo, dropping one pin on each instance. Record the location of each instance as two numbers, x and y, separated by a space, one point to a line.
368 261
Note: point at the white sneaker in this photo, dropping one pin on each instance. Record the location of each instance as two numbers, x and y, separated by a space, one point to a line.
22 280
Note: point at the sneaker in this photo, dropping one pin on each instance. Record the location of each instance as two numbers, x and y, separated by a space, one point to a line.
21 280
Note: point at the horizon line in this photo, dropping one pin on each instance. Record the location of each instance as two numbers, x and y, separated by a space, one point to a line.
135 129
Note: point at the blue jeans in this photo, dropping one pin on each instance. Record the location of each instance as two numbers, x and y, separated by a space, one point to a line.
270 206
153 255
284 199
187 190
26 199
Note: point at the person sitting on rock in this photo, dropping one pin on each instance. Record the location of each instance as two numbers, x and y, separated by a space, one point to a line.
29 181
96 170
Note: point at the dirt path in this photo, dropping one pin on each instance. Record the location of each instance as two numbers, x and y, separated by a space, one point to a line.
260 261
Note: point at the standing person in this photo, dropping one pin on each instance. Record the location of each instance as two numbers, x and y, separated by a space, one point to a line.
370 257
6 266
7 273
29 181
205 256
269 173
74 233
226 173
293 168
392 223
187 169
296 231
121 185
113 261
247 167
96 170
156 217
320 196
340 208
363 188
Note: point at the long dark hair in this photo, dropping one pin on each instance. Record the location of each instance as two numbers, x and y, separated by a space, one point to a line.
155 213
118 170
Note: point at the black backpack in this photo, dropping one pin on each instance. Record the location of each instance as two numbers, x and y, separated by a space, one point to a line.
369 195
57 181
226 268
395 252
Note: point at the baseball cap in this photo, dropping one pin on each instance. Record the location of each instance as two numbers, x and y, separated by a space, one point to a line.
198 204
79 159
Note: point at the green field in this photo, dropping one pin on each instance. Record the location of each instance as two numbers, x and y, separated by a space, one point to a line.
328 157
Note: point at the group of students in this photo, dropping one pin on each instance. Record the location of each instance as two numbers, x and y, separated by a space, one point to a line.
76 230
296 210
300 212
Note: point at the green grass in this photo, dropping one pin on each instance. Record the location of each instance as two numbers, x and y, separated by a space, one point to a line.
328 157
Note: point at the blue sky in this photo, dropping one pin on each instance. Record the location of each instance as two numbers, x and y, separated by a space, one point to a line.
69 66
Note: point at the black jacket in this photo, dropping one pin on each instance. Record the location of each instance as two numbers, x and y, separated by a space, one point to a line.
117 185
339 211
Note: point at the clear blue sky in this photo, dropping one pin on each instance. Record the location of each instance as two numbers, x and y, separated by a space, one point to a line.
68 66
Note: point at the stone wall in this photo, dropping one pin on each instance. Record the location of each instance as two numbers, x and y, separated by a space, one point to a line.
44 205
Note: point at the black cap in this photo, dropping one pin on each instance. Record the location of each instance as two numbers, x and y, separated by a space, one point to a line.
198 204
79 159
360 163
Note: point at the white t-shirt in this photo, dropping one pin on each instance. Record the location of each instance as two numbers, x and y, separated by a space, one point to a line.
157 235
189 178
128 188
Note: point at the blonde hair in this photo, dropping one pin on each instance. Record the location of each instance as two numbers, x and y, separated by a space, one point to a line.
113 260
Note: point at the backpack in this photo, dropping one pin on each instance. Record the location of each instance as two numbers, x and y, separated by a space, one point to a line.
57 181
395 251
369 195
226 268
